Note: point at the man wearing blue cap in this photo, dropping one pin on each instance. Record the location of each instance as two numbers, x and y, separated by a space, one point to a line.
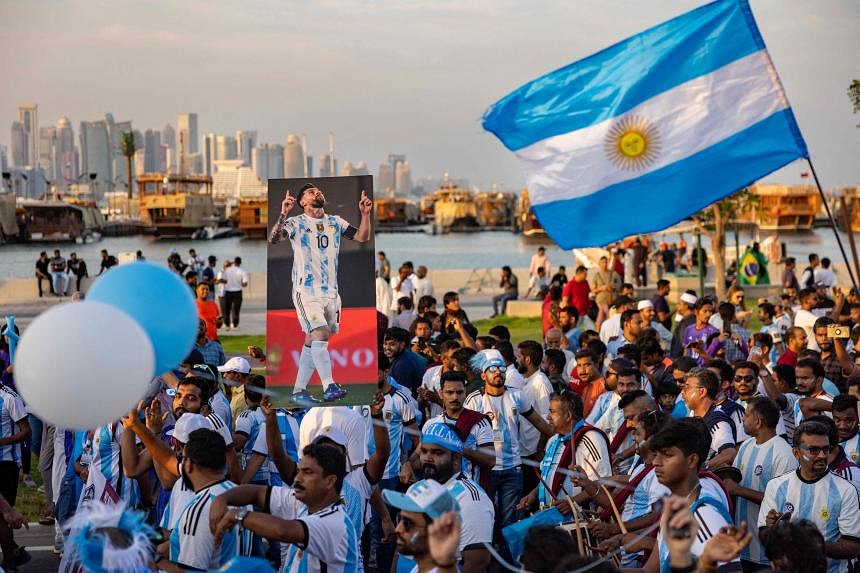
423 503
505 407
440 455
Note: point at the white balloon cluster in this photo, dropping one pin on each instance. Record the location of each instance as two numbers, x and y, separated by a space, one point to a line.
84 364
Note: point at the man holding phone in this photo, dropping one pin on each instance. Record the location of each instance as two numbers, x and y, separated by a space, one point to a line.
815 494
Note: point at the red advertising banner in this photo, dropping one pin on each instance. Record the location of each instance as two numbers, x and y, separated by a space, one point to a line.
352 350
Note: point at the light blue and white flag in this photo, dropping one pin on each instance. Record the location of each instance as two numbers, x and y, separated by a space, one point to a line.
651 130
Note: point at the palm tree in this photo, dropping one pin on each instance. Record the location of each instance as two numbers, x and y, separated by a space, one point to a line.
127 148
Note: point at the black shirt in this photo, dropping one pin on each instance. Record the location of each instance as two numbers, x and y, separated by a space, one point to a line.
42 266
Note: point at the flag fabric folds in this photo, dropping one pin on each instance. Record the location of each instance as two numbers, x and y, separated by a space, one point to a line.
651 130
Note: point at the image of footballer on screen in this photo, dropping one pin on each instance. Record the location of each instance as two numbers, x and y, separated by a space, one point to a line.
315 238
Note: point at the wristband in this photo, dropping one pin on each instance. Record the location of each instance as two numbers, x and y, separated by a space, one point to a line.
376 416
688 569
450 565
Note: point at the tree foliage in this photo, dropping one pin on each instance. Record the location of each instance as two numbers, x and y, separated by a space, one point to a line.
712 222
127 148
854 95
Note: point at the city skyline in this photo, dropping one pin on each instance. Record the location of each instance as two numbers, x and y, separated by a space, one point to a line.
407 78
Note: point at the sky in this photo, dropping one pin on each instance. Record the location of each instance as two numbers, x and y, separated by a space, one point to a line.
386 76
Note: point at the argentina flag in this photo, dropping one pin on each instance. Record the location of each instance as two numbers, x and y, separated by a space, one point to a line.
651 130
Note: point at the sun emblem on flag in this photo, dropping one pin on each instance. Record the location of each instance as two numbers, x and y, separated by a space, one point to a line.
633 143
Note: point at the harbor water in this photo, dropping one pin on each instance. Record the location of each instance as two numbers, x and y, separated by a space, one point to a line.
490 249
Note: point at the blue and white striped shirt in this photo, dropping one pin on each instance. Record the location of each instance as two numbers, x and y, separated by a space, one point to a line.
397 413
759 464
12 411
249 424
288 428
504 412
830 502
316 244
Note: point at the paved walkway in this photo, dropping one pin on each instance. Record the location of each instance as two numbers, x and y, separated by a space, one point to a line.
39 541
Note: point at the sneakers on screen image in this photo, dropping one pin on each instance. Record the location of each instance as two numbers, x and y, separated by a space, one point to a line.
334 392
304 398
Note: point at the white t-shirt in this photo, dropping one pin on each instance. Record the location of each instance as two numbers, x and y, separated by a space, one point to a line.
476 512
481 434
432 380
346 420
513 379
219 286
806 320
505 413
610 328
236 278
538 390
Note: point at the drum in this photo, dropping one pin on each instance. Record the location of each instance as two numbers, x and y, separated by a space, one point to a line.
587 539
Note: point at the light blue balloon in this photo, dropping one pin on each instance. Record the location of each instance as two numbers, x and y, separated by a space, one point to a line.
159 300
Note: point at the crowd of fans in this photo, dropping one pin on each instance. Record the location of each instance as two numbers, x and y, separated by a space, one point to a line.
639 436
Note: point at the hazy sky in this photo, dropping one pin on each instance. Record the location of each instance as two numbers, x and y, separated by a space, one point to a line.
386 76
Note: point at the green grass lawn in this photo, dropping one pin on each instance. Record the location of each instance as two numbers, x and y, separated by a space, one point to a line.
31 503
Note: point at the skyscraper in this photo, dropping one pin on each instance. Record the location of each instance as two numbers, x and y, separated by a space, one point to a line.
66 154
267 161
47 151
293 157
385 178
403 178
151 149
246 141
187 127
168 137
19 145
326 167
28 115
226 148
97 154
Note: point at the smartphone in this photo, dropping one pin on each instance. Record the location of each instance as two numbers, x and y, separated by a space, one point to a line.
838 331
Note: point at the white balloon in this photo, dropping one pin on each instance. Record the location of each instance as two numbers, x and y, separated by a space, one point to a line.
81 365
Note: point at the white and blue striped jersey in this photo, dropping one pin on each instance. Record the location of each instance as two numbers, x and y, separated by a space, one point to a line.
104 447
592 454
798 413
481 434
640 502
288 428
432 380
830 502
12 411
252 424
781 430
397 413
355 494
180 496
316 244
330 546
758 465
192 544
711 515
505 414
852 448
538 390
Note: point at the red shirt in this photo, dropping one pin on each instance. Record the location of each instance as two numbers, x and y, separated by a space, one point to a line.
209 312
575 293
788 357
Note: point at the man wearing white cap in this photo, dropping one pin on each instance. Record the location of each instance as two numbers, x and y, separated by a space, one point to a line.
422 504
235 373
649 320
685 315
631 325
440 456
504 407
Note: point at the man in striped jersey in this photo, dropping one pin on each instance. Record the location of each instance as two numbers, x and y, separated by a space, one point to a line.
837 461
440 454
193 546
845 418
680 450
761 458
310 516
505 408
700 390
15 429
574 443
315 238
812 492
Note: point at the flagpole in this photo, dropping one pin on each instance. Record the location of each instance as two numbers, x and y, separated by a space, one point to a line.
833 222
